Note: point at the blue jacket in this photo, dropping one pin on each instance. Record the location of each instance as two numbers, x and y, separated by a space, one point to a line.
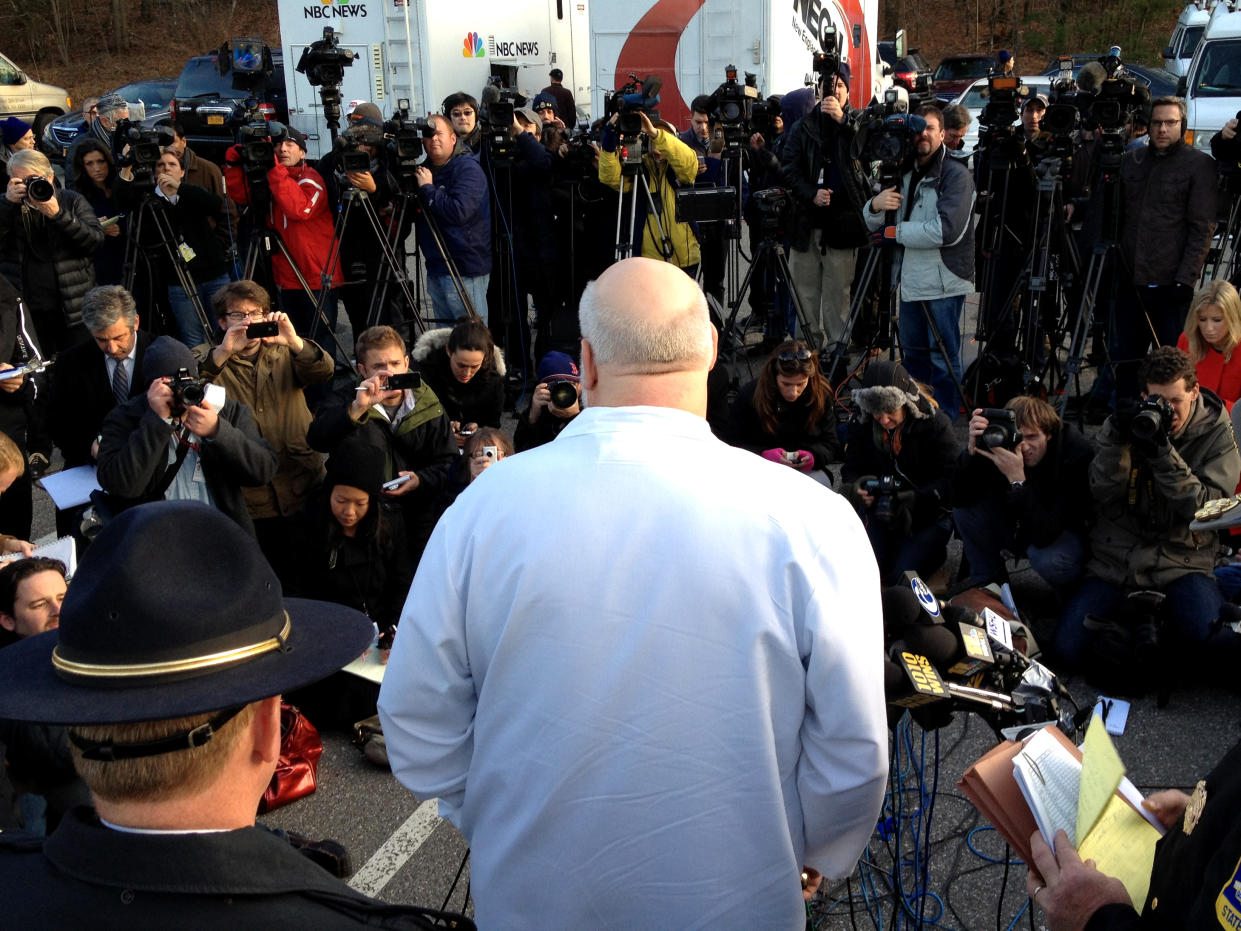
458 199
936 258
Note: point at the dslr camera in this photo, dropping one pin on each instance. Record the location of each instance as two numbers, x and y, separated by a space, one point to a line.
884 490
1001 431
1153 421
39 189
187 391
563 394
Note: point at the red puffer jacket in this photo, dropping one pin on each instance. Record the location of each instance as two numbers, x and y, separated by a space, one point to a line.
299 213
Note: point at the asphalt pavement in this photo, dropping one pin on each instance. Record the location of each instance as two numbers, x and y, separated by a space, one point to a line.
402 852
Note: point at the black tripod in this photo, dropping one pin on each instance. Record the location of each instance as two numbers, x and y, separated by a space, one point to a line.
632 170
1223 257
770 252
151 210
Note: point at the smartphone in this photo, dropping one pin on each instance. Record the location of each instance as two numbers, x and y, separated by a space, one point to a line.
259 330
410 380
396 482
110 221
464 432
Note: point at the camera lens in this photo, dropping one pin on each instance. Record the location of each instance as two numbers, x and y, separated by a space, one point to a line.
39 189
563 394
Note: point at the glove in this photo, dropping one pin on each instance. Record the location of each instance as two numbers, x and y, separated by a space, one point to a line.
233 155
805 460
773 455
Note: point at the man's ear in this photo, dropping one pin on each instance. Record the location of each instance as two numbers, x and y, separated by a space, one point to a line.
715 347
590 371
8 622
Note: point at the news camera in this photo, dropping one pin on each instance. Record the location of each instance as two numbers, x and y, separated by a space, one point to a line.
763 116
826 64
248 59
732 105
767 213
324 63
891 134
145 147
407 137
632 96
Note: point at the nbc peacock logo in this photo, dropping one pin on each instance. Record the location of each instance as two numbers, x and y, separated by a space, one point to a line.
473 46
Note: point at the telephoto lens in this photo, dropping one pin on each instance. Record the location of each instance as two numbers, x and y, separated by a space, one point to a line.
564 394
39 189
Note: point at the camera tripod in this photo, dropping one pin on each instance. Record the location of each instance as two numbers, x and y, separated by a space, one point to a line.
150 209
1228 241
769 250
1009 171
634 172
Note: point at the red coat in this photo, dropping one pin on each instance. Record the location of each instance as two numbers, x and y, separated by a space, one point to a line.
1224 378
299 213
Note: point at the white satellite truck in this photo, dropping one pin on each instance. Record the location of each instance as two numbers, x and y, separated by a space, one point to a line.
423 50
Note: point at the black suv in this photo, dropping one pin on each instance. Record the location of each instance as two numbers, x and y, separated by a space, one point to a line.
206 103
913 72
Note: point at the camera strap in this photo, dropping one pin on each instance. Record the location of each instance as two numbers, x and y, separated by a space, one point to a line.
183 449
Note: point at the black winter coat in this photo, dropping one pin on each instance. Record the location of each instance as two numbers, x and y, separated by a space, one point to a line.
88 875
66 242
745 428
1056 496
841 220
479 400
927 458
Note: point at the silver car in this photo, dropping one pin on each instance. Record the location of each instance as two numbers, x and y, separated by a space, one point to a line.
33 101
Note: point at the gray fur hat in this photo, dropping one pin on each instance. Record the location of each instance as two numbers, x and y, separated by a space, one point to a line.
887 386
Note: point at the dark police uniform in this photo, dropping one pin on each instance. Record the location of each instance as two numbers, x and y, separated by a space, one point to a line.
1196 879
89 875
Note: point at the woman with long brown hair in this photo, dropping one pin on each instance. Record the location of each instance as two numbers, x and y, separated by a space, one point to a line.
786 414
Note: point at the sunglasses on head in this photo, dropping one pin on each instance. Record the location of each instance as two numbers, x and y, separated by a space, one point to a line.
795 355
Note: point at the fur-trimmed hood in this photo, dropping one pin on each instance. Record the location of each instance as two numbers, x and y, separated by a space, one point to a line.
436 340
887 386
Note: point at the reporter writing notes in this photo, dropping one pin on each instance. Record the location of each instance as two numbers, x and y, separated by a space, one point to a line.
1024 486
901 440
786 414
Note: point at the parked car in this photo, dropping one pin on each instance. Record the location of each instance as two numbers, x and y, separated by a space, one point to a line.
912 72
955 73
146 99
33 101
975 98
1212 86
206 103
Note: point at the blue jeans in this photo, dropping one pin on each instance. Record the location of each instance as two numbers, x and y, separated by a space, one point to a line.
920 354
189 327
985 531
1191 605
448 304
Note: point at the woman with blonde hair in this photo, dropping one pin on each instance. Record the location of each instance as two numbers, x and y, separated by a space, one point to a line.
1212 332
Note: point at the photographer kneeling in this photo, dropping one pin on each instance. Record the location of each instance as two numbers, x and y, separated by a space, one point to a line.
557 399
1024 486
1157 463
899 460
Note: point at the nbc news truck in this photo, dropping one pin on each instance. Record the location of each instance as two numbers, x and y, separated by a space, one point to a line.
689 45
424 50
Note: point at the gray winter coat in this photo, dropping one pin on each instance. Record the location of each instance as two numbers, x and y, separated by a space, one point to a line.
1148 544
936 254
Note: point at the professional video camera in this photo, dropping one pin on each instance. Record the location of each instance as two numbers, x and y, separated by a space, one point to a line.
145 146
500 114
324 63
349 144
1153 420
946 657
733 103
767 212
632 96
1001 431
187 391
248 59
1002 108
763 117
890 133
826 64
407 142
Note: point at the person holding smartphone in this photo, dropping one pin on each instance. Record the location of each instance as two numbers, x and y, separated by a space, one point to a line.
261 360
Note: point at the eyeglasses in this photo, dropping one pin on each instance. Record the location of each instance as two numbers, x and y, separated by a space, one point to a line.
237 317
457 113
1155 124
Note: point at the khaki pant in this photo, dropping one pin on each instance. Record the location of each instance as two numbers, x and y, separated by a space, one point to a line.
822 282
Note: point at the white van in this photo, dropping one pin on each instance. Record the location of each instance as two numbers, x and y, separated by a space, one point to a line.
1212 86
1186 36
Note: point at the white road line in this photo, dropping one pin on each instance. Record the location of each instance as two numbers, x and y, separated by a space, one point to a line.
397 849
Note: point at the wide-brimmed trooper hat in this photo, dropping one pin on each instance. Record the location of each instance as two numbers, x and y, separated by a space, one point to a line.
173 611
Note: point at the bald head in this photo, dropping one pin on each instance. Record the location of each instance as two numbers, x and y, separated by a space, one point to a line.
646 337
